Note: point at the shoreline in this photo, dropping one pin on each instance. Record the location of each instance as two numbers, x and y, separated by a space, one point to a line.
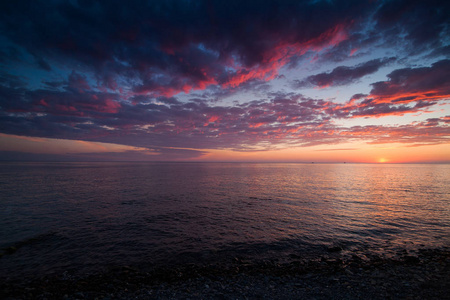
425 275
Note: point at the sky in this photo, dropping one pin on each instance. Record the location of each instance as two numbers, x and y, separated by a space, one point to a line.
280 81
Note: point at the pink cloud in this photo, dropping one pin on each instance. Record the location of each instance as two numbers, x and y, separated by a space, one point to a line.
280 55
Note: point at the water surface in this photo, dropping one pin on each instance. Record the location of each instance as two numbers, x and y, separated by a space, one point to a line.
89 216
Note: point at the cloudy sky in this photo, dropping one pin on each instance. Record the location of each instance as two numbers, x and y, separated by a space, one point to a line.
323 81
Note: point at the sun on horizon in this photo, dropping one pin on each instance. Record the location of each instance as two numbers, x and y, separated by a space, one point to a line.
325 81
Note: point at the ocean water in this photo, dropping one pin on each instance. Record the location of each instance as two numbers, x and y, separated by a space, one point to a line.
85 217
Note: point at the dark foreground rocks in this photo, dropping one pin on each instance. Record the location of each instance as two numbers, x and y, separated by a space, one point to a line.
424 275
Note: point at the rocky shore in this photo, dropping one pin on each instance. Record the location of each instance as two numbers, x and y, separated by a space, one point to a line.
424 274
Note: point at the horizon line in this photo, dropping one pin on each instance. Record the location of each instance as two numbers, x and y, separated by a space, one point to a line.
199 161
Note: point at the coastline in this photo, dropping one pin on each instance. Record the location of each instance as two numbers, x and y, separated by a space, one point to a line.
422 275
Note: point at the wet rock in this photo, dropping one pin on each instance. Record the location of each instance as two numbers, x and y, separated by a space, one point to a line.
334 249
351 279
10 250
348 272
411 259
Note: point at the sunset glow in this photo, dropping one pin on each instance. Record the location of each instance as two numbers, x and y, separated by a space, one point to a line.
296 81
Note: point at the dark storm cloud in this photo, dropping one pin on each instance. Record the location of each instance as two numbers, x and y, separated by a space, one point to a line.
343 75
11 81
407 90
441 51
412 27
413 84
43 64
164 47
131 59
424 23
10 54
74 111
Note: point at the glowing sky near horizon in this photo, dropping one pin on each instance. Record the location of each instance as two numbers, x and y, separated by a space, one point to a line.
324 81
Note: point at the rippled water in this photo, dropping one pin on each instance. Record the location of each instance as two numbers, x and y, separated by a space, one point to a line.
87 216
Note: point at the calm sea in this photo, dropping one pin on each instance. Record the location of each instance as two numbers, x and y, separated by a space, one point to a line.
90 216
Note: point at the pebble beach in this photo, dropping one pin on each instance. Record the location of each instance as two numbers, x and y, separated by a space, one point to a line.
424 274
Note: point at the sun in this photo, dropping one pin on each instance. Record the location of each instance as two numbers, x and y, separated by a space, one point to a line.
382 160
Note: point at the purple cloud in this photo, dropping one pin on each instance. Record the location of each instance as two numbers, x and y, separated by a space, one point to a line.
188 47
116 72
343 75
414 84
408 90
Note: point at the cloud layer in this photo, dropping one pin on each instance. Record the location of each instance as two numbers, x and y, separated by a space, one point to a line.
213 74
343 75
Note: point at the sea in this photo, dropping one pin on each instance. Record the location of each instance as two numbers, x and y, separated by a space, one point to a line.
86 217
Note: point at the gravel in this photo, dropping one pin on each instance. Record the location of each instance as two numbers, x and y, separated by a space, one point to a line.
421 275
